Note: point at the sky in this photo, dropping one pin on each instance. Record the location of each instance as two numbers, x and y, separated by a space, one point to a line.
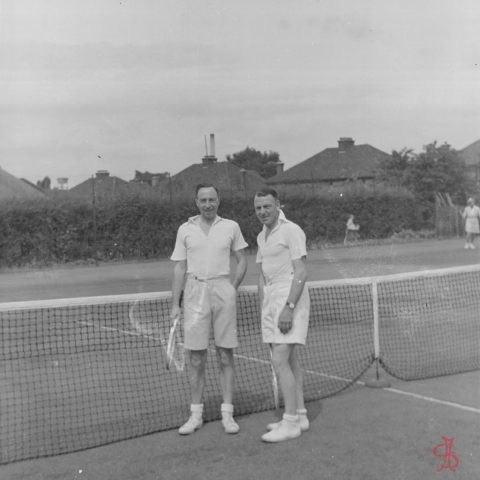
137 85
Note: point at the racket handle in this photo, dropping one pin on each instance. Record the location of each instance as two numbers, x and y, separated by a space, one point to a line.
180 301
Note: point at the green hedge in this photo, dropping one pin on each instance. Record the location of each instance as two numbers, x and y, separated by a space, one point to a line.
140 227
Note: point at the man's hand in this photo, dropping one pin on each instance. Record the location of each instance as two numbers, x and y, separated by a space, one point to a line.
174 313
285 321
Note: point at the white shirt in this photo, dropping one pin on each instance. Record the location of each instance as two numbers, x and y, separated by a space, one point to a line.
286 242
208 255
351 225
471 212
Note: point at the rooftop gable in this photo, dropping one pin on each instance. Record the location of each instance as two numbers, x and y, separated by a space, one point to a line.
356 161
12 187
471 154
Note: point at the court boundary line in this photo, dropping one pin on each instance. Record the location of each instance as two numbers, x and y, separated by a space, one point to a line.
313 372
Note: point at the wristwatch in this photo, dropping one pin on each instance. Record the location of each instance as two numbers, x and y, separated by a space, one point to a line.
291 305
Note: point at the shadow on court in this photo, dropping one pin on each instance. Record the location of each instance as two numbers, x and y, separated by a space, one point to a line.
361 433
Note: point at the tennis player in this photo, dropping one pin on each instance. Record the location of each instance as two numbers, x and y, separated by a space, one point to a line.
202 255
285 307
471 215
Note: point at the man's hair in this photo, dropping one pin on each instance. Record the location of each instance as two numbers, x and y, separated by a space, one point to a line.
266 191
205 185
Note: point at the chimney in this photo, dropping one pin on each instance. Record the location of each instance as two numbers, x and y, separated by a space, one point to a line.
345 143
155 180
280 166
103 174
212 145
210 159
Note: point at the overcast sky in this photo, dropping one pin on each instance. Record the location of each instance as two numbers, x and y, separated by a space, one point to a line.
139 83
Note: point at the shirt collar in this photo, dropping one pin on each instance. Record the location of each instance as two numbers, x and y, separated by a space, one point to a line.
281 219
194 219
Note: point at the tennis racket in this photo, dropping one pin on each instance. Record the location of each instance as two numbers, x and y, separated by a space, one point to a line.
174 349
274 381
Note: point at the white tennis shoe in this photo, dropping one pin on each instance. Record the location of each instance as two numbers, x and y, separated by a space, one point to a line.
230 425
194 423
302 422
286 430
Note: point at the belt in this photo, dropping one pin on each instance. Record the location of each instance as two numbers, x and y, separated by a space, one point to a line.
273 280
208 279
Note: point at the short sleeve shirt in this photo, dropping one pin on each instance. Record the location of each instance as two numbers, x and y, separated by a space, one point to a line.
472 212
285 243
208 255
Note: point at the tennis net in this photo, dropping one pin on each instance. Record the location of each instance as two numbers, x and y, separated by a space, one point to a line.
79 373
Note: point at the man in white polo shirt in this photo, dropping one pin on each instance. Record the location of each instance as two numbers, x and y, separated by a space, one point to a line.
202 252
285 307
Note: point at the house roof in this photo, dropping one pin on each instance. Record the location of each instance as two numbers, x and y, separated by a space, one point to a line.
224 175
104 185
357 161
471 154
12 187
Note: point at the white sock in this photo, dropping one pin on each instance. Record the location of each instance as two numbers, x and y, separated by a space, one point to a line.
227 408
197 410
290 418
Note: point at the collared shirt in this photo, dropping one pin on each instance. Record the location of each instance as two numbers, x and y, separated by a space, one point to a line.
285 243
208 255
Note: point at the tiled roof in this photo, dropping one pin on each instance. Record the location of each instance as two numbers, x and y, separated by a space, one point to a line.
224 175
471 154
103 186
331 164
12 187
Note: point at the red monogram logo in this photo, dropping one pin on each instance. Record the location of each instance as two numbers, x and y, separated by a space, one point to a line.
448 455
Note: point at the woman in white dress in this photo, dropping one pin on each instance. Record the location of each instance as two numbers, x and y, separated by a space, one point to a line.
471 215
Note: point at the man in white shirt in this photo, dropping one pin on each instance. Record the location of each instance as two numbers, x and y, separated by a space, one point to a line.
285 307
202 254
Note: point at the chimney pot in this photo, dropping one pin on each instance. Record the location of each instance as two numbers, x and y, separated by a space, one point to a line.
345 143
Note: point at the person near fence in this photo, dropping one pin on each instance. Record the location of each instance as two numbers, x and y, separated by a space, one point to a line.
352 230
471 215
202 254
285 308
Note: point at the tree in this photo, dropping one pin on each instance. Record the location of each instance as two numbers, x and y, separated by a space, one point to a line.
438 169
394 169
45 183
146 177
251 159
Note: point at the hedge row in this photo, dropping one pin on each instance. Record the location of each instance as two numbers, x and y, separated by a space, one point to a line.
54 231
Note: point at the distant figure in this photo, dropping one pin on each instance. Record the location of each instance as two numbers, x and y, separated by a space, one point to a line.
471 215
352 230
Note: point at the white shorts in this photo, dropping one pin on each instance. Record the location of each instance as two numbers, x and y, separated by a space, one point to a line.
207 304
275 297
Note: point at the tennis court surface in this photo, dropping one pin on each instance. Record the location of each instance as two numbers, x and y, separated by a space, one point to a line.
80 373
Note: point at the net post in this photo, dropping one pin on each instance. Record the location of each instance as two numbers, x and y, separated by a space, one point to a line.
376 382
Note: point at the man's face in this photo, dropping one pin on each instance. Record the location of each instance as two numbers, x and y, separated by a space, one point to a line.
207 202
267 210
471 202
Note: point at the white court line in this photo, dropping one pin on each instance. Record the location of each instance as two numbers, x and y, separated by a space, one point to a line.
434 400
312 372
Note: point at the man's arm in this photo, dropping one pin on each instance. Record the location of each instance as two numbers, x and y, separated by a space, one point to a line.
261 285
179 272
241 267
285 321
